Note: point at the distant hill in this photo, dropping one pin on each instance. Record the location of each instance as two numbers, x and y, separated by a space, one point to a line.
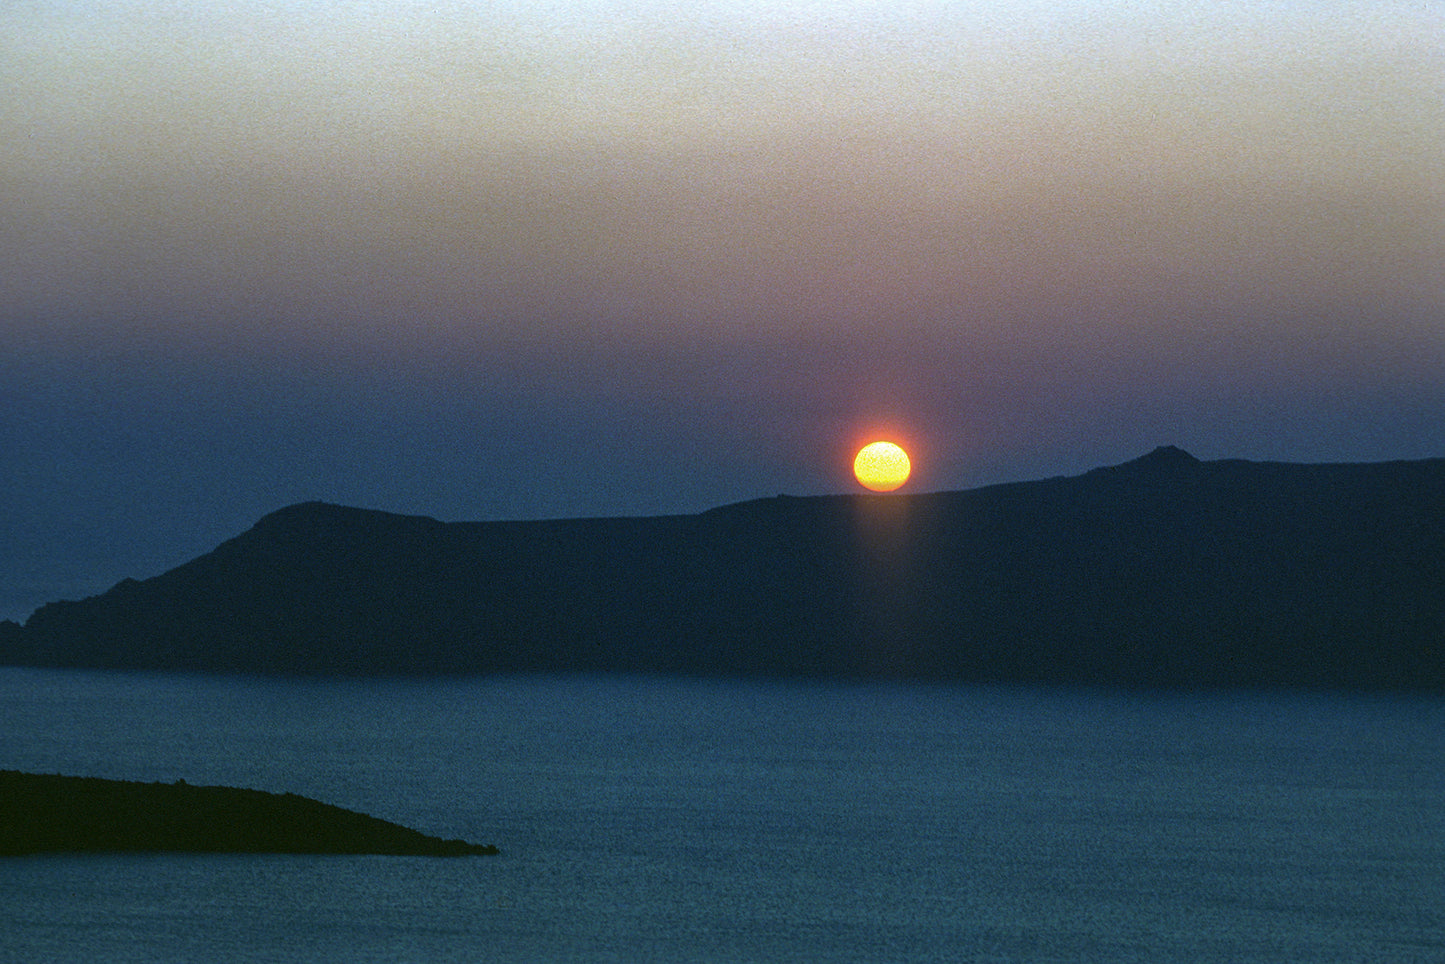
1163 571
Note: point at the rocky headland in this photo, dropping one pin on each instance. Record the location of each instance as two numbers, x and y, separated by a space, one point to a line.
42 813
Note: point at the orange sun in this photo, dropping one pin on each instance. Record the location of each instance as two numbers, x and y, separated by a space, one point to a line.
881 466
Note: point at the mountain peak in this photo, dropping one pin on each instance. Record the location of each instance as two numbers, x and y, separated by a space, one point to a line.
1166 457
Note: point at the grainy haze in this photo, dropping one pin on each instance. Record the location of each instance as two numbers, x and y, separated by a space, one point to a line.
514 260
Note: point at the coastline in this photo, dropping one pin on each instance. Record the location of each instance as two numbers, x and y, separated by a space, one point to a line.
50 813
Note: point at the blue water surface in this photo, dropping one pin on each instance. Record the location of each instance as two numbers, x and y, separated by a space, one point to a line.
647 819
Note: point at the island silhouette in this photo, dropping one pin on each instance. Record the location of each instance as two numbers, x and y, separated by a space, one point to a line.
46 813
1164 571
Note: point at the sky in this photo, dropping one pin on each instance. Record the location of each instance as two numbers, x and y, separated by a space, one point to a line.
536 259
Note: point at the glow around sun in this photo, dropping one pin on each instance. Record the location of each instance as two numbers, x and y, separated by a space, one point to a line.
881 466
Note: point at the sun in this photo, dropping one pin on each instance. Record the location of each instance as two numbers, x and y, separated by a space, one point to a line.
881 466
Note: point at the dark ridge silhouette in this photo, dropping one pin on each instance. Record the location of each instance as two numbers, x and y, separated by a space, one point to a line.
1163 571
53 814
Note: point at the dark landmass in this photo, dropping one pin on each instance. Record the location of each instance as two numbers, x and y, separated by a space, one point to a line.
49 814
1163 571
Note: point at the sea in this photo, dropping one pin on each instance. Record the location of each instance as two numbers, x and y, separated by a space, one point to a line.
673 820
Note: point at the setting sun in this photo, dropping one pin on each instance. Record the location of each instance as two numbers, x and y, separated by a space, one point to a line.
881 466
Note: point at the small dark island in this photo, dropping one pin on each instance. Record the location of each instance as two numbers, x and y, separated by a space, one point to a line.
56 814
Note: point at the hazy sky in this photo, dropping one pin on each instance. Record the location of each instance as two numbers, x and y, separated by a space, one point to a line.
593 257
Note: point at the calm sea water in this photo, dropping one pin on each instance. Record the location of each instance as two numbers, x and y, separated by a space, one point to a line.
665 820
